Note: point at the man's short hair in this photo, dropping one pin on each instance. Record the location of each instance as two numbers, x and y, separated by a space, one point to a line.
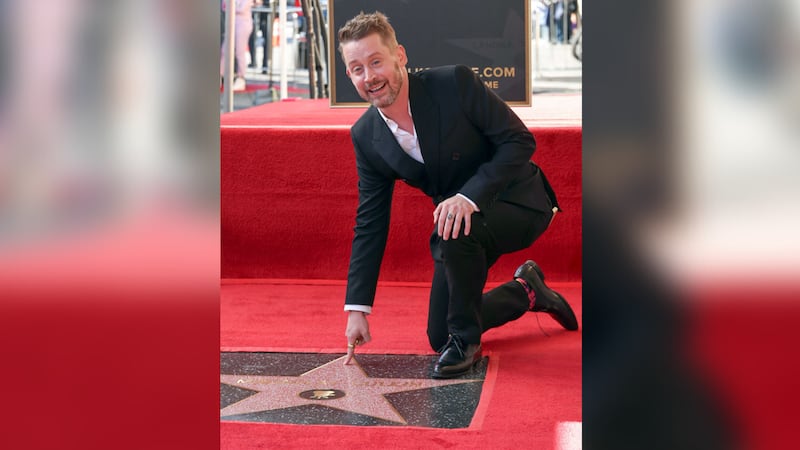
365 24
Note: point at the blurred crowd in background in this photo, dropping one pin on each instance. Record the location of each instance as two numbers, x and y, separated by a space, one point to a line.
558 20
554 24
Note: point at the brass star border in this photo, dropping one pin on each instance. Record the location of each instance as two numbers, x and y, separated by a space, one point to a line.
375 390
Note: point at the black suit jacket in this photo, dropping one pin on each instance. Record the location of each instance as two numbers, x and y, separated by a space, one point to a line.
472 144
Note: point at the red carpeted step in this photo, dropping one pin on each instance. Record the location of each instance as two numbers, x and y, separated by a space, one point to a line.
289 195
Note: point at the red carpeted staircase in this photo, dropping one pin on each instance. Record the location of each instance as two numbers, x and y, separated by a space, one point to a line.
289 195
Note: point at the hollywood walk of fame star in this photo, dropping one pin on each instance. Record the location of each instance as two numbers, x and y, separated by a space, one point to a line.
362 394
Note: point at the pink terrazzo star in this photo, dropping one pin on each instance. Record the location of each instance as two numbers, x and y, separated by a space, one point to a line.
362 394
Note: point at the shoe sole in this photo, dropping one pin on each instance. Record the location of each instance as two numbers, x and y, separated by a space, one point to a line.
573 325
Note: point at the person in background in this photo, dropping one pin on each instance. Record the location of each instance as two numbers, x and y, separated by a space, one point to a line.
243 29
443 131
251 40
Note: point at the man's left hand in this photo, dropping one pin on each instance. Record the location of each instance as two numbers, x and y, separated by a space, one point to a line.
449 216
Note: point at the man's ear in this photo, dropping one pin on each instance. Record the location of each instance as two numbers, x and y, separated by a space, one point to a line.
402 58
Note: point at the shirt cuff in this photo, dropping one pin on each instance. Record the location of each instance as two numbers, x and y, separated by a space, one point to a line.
470 201
363 308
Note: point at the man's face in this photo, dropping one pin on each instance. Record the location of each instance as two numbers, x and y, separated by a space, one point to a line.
375 70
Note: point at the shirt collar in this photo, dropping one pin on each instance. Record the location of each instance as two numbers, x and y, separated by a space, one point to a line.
391 123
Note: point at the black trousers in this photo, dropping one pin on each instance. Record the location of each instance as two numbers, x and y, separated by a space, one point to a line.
458 304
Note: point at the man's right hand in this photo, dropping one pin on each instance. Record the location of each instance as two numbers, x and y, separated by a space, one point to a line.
357 333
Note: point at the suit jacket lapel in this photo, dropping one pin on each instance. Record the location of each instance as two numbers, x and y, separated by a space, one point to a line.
426 121
386 145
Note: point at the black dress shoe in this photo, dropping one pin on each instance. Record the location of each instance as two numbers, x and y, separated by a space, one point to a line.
547 300
456 358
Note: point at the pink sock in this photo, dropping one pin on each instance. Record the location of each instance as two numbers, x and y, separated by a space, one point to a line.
529 291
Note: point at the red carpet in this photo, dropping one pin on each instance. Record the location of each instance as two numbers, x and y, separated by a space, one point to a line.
538 382
289 193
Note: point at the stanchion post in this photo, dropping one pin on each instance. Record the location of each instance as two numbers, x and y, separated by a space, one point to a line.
230 24
284 51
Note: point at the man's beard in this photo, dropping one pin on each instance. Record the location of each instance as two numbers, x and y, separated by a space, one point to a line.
389 98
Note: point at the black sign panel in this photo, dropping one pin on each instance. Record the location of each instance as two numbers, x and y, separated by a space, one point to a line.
493 38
